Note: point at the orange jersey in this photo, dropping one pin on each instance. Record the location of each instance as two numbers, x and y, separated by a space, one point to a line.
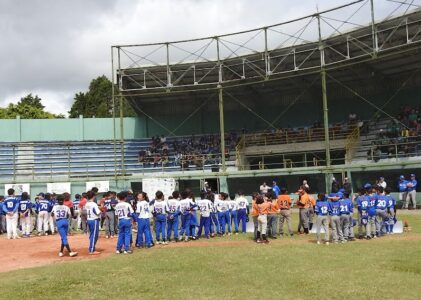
263 208
284 201
312 201
273 208
254 209
304 201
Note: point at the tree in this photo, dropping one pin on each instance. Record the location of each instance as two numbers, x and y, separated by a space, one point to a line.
29 107
32 101
97 101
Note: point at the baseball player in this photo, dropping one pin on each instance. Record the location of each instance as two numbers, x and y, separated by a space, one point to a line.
214 222
303 203
205 207
223 213
76 221
403 191
144 238
412 192
362 205
345 211
25 206
160 210
93 215
272 217
334 212
186 204
124 212
43 216
10 207
372 203
243 210
62 213
391 210
233 208
262 207
173 213
382 217
322 210
2 216
51 222
285 203
108 204
254 214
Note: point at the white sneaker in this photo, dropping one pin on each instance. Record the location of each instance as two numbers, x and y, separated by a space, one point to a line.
107 237
60 254
118 252
73 254
327 243
318 243
165 243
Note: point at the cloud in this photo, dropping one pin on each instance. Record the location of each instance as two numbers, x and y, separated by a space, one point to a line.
53 48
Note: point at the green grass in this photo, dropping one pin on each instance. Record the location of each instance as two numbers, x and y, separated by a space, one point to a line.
384 268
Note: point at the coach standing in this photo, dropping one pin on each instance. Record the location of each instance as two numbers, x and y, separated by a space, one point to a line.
412 191
10 207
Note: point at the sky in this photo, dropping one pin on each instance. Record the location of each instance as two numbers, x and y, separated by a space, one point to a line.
54 48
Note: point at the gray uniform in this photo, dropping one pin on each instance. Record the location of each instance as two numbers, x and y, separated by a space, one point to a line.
322 221
285 215
345 226
337 233
381 217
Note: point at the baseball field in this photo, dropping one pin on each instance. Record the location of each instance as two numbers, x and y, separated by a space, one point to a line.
228 267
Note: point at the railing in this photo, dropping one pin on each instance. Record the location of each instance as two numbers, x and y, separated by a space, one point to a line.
351 144
290 136
404 148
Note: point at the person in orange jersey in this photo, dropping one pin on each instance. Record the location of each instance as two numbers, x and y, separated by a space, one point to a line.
303 203
254 214
262 207
284 202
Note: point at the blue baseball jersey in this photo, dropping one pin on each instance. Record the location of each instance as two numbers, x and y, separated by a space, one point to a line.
24 205
43 205
110 203
381 202
76 204
372 205
334 208
345 207
322 208
362 203
52 203
10 205
402 186
391 201
413 186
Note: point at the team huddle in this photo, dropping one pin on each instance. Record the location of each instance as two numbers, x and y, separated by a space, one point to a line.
182 217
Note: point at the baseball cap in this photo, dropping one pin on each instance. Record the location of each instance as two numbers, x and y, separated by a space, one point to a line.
367 186
401 177
41 194
381 178
412 175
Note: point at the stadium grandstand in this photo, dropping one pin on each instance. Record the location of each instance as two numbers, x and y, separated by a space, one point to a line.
313 97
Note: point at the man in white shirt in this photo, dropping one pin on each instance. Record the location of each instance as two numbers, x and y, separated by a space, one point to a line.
264 188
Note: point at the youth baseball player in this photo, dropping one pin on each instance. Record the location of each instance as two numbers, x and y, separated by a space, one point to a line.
345 211
25 206
124 212
233 208
322 210
43 215
186 204
362 205
243 210
223 213
173 213
62 213
159 210
76 221
144 238
205 206
391 210
93 215
382 216
10 207
334 212
285 203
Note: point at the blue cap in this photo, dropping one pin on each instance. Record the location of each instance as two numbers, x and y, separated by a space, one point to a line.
41 194
367 186
401 177
412 175
341 190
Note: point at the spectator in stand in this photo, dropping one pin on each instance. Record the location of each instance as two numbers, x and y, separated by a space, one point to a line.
382 183
335 186
275 188
347 186
264 188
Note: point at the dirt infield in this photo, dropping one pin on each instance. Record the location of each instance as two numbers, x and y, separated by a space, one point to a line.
39 251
